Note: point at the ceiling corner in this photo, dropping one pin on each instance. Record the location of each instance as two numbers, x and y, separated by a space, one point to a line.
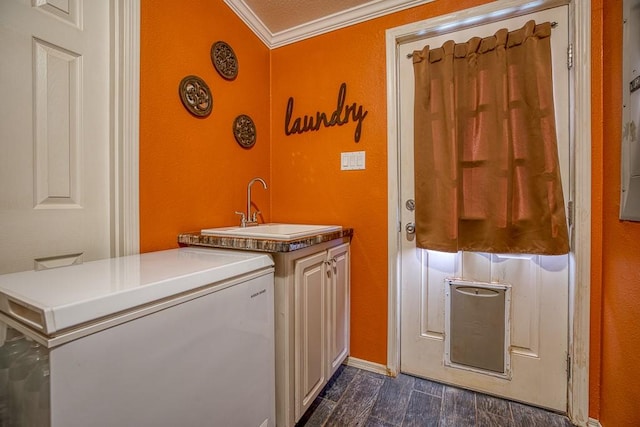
245 13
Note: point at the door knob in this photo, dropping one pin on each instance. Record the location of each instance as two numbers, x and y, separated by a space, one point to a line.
410 228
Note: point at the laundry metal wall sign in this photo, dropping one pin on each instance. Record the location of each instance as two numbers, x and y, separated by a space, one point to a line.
341 116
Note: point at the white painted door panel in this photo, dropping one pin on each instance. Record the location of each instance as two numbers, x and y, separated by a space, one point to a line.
310 329
54 124
539 296
338 306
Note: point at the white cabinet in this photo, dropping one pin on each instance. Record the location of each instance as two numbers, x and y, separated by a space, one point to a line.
312 323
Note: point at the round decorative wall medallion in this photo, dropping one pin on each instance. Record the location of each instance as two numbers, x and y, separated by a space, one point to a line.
196 96
245 131
224 60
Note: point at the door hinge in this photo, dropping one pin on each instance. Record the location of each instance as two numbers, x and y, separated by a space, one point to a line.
568 366
570 212
570 56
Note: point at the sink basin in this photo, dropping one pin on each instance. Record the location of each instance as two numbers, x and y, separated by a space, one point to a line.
273 231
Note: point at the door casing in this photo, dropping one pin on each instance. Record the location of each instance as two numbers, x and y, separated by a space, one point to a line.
125 127
579 286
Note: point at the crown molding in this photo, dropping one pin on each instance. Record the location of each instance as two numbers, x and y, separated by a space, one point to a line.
248 17
355 15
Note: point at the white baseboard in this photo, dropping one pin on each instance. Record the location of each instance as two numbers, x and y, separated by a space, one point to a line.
367 366
594 423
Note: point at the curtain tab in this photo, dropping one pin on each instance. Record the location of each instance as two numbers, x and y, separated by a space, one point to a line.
543 30
501 37
516 37
460 50
530 29
449 47
420 55
436 55
488 43
468 48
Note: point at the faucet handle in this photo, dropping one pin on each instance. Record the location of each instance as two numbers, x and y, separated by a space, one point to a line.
243 219
254 216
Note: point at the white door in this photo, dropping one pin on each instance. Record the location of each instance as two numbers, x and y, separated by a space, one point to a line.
538 319
55 135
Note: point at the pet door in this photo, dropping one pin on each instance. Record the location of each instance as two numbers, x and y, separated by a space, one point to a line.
477 327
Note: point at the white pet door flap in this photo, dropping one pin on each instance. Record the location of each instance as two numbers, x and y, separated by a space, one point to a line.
477 326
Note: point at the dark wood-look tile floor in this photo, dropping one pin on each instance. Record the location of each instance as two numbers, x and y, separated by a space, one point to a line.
355 397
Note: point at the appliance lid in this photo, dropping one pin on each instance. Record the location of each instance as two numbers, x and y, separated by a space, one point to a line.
62 298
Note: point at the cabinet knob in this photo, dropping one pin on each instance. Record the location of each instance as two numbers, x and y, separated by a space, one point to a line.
332 264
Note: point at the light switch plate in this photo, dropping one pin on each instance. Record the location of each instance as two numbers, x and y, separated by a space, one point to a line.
354 160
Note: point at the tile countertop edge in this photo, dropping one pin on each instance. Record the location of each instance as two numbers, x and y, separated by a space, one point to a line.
260 244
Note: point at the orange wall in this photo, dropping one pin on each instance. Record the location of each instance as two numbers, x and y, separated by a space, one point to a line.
193 174
620 339
308 185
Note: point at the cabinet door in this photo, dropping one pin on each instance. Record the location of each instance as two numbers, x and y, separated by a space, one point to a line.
338 305
310 329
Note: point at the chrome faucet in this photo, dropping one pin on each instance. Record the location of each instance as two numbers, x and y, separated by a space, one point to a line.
249 218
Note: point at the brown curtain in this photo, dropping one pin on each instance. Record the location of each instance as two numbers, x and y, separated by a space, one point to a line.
487 175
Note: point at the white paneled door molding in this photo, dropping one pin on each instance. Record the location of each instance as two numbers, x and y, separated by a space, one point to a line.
579 321
126 125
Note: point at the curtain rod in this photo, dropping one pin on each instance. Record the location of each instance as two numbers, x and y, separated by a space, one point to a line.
554 24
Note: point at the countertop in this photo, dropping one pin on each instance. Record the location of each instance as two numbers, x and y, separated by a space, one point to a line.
260 245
